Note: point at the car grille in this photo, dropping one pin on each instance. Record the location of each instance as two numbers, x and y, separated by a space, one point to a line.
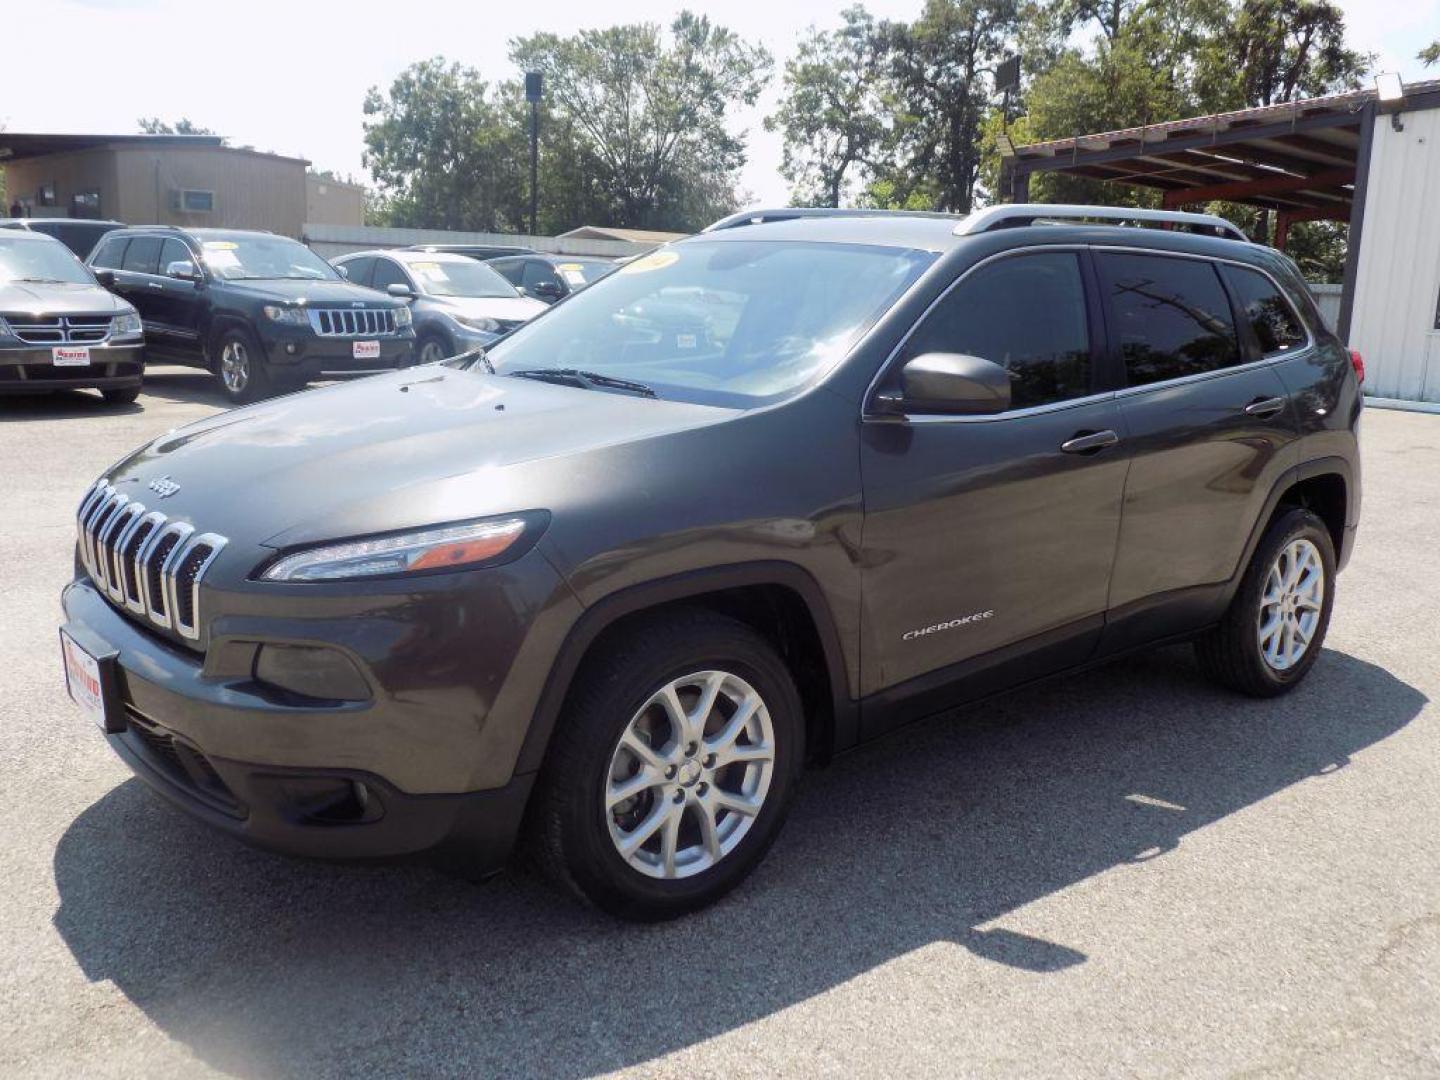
58 330
352 322
144 562
182 763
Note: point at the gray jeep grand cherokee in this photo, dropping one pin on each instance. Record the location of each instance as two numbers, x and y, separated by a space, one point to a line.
749 501
59 330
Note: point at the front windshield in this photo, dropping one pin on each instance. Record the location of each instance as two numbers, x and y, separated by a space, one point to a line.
462 277
579 274
251 258
40 262
722 322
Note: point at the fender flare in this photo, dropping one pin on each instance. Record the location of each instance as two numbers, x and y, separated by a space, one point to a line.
605 612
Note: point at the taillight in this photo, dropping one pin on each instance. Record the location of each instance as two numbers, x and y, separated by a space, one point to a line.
1358 363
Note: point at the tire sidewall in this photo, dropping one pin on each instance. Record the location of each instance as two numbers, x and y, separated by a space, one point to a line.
259 381
600 870
1296 525
417 352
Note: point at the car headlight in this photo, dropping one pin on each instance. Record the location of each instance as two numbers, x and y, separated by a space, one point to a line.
129 323
402 316
478 322
290 316
441 547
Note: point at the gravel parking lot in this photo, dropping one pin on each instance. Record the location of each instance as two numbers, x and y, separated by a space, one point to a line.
1125 872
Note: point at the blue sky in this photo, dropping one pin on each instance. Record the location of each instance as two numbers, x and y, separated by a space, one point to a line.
290 76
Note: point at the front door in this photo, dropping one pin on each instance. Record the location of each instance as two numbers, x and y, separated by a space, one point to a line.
989 539
172 316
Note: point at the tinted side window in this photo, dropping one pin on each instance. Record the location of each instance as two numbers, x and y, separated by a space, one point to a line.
387 274
509 269
173 251
1277 327
359 270
1025 313
1171 317
143 255
539 273
110 254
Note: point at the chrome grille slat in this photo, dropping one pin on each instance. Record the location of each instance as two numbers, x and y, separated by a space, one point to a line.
144 562
58 330
352 322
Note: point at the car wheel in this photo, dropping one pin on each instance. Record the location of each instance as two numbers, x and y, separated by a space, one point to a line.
431 349
672 767
240 367
1272 633
126 396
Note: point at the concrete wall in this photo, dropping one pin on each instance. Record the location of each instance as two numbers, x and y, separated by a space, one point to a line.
1397 278
333 240
330 203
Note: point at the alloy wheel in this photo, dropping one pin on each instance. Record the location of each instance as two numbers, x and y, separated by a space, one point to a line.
1291 604
235 367
689 775
431 353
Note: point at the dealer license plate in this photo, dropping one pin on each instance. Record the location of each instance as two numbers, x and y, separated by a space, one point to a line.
70 356
367 350
82 680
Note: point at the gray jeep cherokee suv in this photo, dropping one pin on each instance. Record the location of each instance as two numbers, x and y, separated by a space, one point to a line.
753 499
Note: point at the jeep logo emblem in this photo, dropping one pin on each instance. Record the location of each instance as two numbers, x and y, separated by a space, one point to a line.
163 486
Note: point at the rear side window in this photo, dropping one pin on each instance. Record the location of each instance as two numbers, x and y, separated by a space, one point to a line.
1025 313
1170 316
1277 328
110 253
143 255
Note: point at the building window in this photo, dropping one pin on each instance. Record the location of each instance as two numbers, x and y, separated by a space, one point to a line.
85 204
194 201
46 194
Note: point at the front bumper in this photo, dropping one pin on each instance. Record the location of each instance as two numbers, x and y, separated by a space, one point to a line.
301 352
422 766
31 369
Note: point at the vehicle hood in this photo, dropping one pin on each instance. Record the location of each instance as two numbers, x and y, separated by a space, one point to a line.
313 292
415 447
508 308
21 299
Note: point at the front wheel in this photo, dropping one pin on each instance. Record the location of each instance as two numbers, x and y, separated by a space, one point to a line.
126 396
431 349
1272 632
240 368
671 771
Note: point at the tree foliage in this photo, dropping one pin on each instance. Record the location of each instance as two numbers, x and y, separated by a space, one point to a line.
1283 50
153 125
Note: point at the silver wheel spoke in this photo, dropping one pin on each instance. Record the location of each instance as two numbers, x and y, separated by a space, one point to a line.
690 822
1290 606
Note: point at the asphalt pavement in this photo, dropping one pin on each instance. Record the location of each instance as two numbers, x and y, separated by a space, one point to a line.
1128 872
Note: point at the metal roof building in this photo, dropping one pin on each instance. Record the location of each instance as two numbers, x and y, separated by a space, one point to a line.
1372 164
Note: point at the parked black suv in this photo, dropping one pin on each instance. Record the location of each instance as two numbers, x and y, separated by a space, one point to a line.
752 499
80 235
262 312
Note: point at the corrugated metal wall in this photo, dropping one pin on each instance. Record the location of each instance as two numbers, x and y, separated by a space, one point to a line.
1397 280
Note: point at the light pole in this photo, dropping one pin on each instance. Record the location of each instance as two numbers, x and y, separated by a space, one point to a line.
532 95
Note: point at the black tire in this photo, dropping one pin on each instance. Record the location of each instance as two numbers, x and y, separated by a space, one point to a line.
126 396
569 832
1230 654
256 382
417 354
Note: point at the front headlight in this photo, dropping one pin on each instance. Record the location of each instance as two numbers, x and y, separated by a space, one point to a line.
478 322
289 316
442 547
129 323
402 316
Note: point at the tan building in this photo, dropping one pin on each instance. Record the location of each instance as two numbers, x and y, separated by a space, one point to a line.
186 180
333 202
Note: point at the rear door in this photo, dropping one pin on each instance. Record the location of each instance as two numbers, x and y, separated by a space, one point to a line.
1208 424
989 539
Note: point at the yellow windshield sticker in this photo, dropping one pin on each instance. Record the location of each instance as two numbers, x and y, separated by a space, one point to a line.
220 245
656 260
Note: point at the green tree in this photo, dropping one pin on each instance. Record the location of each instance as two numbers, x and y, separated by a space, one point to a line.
1282 50
1430 54
647 111
836 108
153 125
444 153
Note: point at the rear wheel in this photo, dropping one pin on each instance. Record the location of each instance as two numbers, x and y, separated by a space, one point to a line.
126 396
672 768
240 367
1272 633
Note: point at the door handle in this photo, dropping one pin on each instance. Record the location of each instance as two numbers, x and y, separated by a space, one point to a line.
1089 442
1265 406
154 285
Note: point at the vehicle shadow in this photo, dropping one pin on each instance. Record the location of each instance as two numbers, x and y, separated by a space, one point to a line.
263 965
59 405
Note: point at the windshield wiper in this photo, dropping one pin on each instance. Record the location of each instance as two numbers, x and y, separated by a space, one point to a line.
586 380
